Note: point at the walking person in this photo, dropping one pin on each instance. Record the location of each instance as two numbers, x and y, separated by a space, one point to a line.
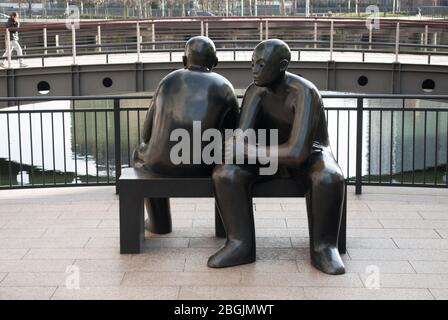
13 25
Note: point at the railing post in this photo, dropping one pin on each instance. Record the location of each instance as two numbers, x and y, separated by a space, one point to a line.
370 35
98 40
261 30
117 134
138 42
267 29
74 43
153 36
359 136
426 38
8 47
45 41
331 39
202 28
56 43
397 41
206 29
435 41
315 34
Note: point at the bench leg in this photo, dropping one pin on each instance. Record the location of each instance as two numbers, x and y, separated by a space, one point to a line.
220 231
132 231
342 241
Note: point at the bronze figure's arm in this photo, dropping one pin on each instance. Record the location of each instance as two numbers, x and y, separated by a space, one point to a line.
250 108
230 119
298 147
147 125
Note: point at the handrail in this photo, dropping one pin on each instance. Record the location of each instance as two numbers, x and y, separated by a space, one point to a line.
135 97
119 112
166 20
266 26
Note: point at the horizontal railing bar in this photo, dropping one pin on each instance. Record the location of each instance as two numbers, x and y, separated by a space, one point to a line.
255 41
403 109
71 98
433 109
145 108
112 183
135 97
397 184
355 21
62 185
384 96
121 44
57 111
103 53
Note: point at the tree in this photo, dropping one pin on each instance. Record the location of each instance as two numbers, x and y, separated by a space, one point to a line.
92 4
30 5
169 6
182 6
282 8
129 4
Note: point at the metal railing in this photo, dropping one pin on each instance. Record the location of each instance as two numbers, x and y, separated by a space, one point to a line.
169 35
108 10
390 140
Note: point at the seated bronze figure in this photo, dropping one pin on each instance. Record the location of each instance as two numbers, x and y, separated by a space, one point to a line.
193 93
291 104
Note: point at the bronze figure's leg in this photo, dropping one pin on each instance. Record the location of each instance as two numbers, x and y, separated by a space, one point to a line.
232 184
220 231
159 215
324 205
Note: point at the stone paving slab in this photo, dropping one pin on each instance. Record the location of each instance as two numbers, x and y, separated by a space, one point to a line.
47 279
440 294
26 293
396 235
114 293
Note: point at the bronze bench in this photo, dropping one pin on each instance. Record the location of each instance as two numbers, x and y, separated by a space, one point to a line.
135 185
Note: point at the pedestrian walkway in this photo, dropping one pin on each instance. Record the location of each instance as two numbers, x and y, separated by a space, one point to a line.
154 57
397 249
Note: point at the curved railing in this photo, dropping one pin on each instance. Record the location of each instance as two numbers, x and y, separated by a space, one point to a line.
394 36
388 140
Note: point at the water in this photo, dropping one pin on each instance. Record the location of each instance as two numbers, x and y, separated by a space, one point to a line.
84 152
394 150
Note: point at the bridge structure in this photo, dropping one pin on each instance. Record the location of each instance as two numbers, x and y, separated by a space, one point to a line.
347 55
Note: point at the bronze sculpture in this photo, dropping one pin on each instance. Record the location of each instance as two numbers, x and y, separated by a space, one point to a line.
280 100
193 93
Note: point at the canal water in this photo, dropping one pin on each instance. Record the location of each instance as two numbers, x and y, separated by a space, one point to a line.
65 147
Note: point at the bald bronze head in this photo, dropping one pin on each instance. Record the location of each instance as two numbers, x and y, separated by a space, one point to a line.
270 61
200 53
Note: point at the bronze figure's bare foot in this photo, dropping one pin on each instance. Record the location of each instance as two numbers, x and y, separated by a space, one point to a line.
234 253
328 260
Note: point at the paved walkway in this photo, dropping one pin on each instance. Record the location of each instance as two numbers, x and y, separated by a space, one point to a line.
240 56
48 236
